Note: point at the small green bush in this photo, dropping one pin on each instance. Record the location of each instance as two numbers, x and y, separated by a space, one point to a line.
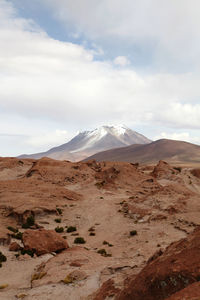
30 252
30 221
92 234
107 243
59 210
103 253
59 229
58 220
91 228
71 229
3 258
17 235
15 230
133 232
79 240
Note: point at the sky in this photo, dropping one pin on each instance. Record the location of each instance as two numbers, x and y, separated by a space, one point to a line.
74 65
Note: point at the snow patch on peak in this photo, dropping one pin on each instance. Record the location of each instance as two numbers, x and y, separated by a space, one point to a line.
120 129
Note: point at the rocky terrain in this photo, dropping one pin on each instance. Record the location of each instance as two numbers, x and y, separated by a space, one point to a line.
95 231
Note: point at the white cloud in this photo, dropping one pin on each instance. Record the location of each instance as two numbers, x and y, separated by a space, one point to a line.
49 139
170 27
42 78
121 61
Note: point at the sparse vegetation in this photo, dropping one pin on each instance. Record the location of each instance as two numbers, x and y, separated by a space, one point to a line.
107 243
15 230
30 221
100 184
58 220
30 252
68 279
21 296
59 229
3 286
71 229
17 235
79 240
3 258
91 228
37 276
104 253
133 232
59 210
92 234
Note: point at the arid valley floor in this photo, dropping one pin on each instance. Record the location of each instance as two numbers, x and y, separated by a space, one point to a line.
127 215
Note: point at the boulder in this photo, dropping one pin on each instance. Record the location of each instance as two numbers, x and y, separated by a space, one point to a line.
43 241
14 247
172 271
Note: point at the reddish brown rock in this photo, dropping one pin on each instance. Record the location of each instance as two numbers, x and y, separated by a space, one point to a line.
107 289
175 269
43 241
196 172
163 170
14 247
192 292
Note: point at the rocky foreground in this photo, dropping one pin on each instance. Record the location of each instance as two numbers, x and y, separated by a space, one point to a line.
98 231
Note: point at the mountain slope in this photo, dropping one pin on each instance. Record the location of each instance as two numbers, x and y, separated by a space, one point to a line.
88 143
170 150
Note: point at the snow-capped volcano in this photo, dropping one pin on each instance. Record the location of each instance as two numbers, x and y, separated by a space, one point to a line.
87 143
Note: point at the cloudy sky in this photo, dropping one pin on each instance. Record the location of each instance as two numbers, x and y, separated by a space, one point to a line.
71 65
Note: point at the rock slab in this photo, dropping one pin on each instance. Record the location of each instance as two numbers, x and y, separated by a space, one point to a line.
43 241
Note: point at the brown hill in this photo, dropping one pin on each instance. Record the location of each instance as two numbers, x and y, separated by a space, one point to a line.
168 150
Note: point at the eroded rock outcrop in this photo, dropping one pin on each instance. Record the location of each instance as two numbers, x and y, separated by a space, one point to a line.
164 170
43 241
172 271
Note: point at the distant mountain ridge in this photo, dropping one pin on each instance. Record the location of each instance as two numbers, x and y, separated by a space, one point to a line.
164 149
87 143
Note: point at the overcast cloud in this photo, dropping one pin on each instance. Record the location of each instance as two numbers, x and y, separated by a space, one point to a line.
69 87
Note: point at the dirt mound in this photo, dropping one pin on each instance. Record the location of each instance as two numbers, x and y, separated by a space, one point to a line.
172 271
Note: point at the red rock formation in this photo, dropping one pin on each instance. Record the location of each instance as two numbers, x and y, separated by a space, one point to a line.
196 172
14 247
175 269
107 289
163 170
191 292
43 241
